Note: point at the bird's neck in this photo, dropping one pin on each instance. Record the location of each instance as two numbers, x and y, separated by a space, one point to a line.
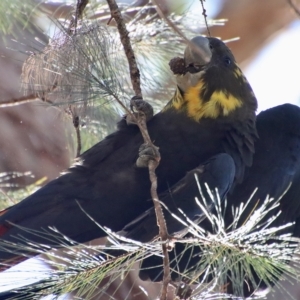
191 102
223 117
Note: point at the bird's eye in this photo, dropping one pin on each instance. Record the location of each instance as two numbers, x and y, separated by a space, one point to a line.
227 60
210 47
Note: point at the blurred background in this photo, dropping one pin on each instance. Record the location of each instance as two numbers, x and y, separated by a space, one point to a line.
40 138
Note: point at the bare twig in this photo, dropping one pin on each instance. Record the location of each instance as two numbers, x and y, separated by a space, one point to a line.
141 123
33 98
205 16
161 222
76 123
174 27
18 101
24 100
294 7
81 4
125 40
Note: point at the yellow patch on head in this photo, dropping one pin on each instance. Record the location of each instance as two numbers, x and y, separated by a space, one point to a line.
218 104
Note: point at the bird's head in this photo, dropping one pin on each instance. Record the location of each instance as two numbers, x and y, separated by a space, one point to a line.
210 84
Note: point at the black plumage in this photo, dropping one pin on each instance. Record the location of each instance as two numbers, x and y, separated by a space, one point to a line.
276 164
180 196
208 127
212 112
216 174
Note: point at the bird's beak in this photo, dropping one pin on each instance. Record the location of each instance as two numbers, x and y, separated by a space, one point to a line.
197 56
197 53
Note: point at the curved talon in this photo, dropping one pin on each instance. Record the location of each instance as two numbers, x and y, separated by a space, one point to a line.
139 107
146 153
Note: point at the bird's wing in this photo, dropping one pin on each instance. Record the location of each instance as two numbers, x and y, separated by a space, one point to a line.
276 164
58 204
217 173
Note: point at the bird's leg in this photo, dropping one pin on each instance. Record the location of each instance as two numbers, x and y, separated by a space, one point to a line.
139 106
146 153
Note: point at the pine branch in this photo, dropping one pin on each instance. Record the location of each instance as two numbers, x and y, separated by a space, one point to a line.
252 248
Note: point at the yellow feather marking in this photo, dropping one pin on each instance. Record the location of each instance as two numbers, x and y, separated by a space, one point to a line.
218 104
177 100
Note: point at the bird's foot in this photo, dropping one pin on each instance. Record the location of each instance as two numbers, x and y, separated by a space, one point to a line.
139 107
146 153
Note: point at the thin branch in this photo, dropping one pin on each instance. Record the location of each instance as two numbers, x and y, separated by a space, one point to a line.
174 27
81 5
205 16
76 123
24 100
18 101
161 222
141 123
33 98
125 40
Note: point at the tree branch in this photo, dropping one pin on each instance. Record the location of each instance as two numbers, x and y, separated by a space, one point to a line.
205 16
23 100
175 28
141 123
80 6
18 101
125 40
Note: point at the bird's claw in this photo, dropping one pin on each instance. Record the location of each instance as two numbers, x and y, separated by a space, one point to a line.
139 107
146 153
